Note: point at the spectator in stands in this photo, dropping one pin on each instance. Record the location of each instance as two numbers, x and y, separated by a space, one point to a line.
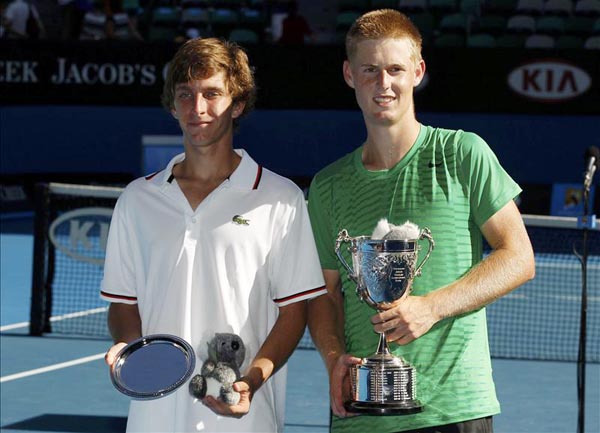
212 243
2 19
72 17
133 10
94 23
107 23
120 26
446 180
22 21
295 28
122 23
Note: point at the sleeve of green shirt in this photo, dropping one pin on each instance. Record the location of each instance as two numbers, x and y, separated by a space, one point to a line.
490 186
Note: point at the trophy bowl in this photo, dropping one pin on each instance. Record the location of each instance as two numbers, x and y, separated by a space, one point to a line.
383 270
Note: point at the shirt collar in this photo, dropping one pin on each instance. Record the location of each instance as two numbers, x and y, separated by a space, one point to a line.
246 176
248 173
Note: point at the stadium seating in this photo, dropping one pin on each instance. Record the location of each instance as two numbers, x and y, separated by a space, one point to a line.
539 41
223 21
470 23
195 17
530 7
425 22
579 26
471 7
568 42
244 36
592 43
205 4
589 8
164 24
384 4
227 4
252 17
562 8
449 40
501 7
510 41
353 5
345 19
550 25
455 23
491 23
481 40
521 24
412 6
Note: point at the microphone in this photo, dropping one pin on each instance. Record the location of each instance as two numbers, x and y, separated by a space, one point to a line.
592 157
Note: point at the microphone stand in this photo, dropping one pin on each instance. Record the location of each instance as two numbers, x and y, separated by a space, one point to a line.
586 221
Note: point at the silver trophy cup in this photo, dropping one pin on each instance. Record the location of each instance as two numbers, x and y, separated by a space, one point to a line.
383 270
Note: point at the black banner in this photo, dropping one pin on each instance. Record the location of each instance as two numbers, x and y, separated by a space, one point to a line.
458 80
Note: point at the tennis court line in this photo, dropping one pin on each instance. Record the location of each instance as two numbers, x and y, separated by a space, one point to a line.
14 326
57 318
51 367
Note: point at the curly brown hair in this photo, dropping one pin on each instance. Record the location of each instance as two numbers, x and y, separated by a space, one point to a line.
202 58
383 24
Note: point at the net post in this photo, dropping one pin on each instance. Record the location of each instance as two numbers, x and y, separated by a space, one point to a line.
38 315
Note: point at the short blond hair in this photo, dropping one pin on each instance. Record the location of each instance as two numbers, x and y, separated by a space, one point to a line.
202 58
383 24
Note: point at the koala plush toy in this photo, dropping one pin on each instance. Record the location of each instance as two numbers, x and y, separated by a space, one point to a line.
226 353
386 230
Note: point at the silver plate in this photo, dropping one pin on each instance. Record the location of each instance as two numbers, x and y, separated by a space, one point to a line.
153 366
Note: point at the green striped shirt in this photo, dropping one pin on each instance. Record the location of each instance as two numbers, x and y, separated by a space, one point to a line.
451 182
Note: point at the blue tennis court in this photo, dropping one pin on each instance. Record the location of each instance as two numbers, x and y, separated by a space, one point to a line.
59 383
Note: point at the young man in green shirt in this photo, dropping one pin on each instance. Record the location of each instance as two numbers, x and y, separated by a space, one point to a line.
446 180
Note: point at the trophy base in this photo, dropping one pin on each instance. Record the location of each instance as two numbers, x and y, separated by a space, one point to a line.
373 408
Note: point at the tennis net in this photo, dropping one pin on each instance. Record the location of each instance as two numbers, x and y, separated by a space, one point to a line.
70 232
539 320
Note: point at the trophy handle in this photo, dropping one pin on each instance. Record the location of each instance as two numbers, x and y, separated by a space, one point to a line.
425 233
343 236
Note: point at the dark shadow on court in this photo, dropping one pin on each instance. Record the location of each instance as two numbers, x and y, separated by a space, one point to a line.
71 423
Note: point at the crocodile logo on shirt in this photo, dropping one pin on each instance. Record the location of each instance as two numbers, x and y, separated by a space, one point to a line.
240 220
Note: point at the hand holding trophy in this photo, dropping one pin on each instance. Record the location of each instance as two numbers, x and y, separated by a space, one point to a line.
384 267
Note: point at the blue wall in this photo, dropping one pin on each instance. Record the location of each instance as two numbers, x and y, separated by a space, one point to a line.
534 149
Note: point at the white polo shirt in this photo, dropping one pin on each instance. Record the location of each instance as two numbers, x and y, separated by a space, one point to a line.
224 267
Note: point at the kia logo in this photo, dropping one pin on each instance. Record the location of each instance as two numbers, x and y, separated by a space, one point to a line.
549 81
82 233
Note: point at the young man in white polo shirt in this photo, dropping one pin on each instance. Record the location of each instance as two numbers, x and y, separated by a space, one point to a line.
213 243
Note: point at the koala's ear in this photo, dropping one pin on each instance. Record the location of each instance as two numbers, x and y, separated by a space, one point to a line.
212 353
